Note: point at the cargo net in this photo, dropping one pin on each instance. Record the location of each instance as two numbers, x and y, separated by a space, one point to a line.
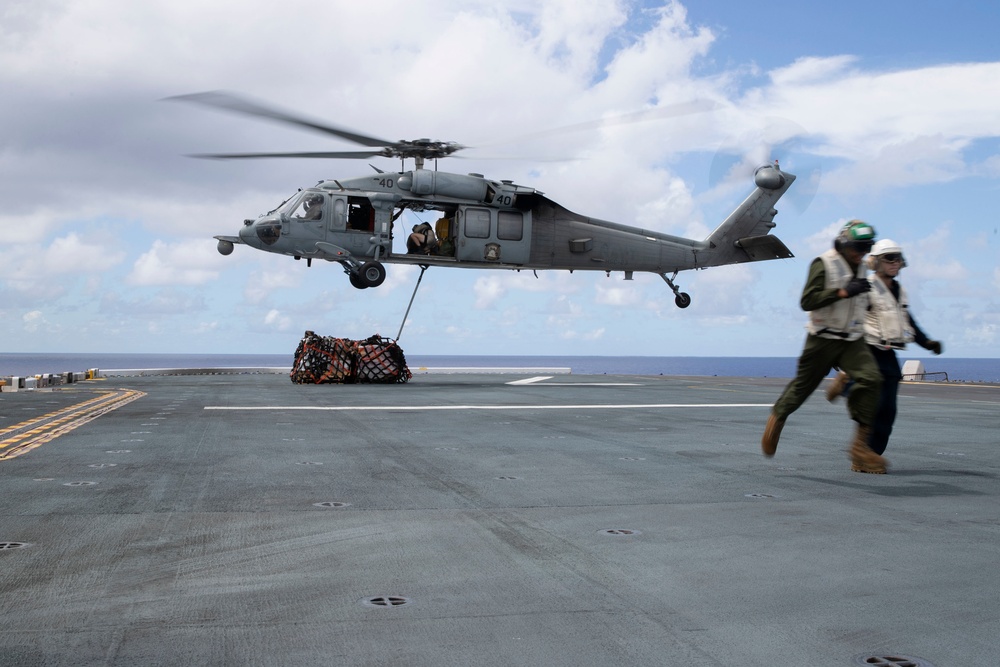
328 360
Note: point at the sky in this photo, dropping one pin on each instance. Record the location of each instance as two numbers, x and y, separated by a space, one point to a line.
886 111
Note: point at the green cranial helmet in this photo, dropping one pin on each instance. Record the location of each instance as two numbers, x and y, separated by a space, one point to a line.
856 235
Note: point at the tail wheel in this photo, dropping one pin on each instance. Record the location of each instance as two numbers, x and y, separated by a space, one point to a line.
683 300
372 274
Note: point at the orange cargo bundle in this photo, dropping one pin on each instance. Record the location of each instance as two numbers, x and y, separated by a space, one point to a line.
329 360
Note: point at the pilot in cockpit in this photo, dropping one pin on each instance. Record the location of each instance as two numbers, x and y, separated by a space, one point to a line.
313 207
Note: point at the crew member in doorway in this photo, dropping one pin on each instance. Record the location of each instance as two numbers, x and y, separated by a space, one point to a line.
422 241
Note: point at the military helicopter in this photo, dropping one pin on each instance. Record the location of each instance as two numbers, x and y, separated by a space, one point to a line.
483 223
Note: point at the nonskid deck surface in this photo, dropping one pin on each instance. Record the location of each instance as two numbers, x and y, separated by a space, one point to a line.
493 519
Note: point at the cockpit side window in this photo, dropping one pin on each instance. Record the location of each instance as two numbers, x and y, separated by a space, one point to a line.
360 215
310 207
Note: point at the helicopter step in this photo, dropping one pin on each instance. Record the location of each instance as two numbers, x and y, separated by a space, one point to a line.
419 260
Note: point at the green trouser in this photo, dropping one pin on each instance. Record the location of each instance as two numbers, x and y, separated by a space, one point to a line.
818 357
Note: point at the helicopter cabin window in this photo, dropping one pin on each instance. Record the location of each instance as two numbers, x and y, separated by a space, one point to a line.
477 223
310 207
510 226
339 213
360 214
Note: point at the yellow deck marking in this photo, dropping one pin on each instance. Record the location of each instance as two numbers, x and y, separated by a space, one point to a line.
28 435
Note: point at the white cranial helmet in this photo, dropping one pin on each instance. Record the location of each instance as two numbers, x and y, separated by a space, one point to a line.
885 247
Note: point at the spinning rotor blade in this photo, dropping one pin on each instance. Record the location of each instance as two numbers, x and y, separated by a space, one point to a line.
418 149
329 154
781 139
660 113
230 102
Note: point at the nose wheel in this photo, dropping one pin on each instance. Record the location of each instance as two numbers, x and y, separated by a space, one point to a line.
682 299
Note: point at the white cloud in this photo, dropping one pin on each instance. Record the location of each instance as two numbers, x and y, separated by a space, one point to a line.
932 257
812 70
619 296
984 334
592 335
277 321
488 291
63 254
35 225
912 161
71 254
263 284
175 264
822 240
33 321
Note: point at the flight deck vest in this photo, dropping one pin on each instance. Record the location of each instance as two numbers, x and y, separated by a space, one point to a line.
844 318
887 323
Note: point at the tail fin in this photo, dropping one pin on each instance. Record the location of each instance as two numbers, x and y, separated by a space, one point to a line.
744 235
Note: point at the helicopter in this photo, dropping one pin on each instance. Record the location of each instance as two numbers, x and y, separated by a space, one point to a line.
483 223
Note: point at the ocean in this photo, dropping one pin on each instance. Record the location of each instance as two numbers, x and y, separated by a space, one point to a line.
944 368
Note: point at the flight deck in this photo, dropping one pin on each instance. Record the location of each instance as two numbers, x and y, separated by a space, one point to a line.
470 518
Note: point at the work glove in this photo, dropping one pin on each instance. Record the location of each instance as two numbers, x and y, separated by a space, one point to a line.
935 346
857 286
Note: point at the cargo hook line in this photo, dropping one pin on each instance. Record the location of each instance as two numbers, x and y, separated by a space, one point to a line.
423 267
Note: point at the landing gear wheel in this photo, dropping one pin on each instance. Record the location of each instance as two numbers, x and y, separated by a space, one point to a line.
682 299
357 280
372 274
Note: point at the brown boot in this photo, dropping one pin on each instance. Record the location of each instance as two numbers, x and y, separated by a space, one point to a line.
874 470
837 385
769 443
863 459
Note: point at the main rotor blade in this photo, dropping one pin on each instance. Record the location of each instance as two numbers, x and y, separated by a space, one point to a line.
325 154
229 102
660 113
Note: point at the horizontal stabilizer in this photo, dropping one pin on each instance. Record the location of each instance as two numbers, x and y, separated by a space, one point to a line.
761 248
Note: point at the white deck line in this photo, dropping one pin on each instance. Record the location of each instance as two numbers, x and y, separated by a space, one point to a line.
592 406
272 370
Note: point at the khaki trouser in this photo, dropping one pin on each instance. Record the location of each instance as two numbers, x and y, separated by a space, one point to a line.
818 357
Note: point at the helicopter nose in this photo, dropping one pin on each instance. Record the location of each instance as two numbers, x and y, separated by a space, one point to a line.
249 235
263 232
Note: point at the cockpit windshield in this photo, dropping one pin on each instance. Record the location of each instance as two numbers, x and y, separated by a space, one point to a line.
309 206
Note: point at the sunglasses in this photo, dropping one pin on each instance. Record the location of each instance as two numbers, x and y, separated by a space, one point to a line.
892 257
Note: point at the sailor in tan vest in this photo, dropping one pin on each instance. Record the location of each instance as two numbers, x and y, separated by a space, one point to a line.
889 326
836 297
